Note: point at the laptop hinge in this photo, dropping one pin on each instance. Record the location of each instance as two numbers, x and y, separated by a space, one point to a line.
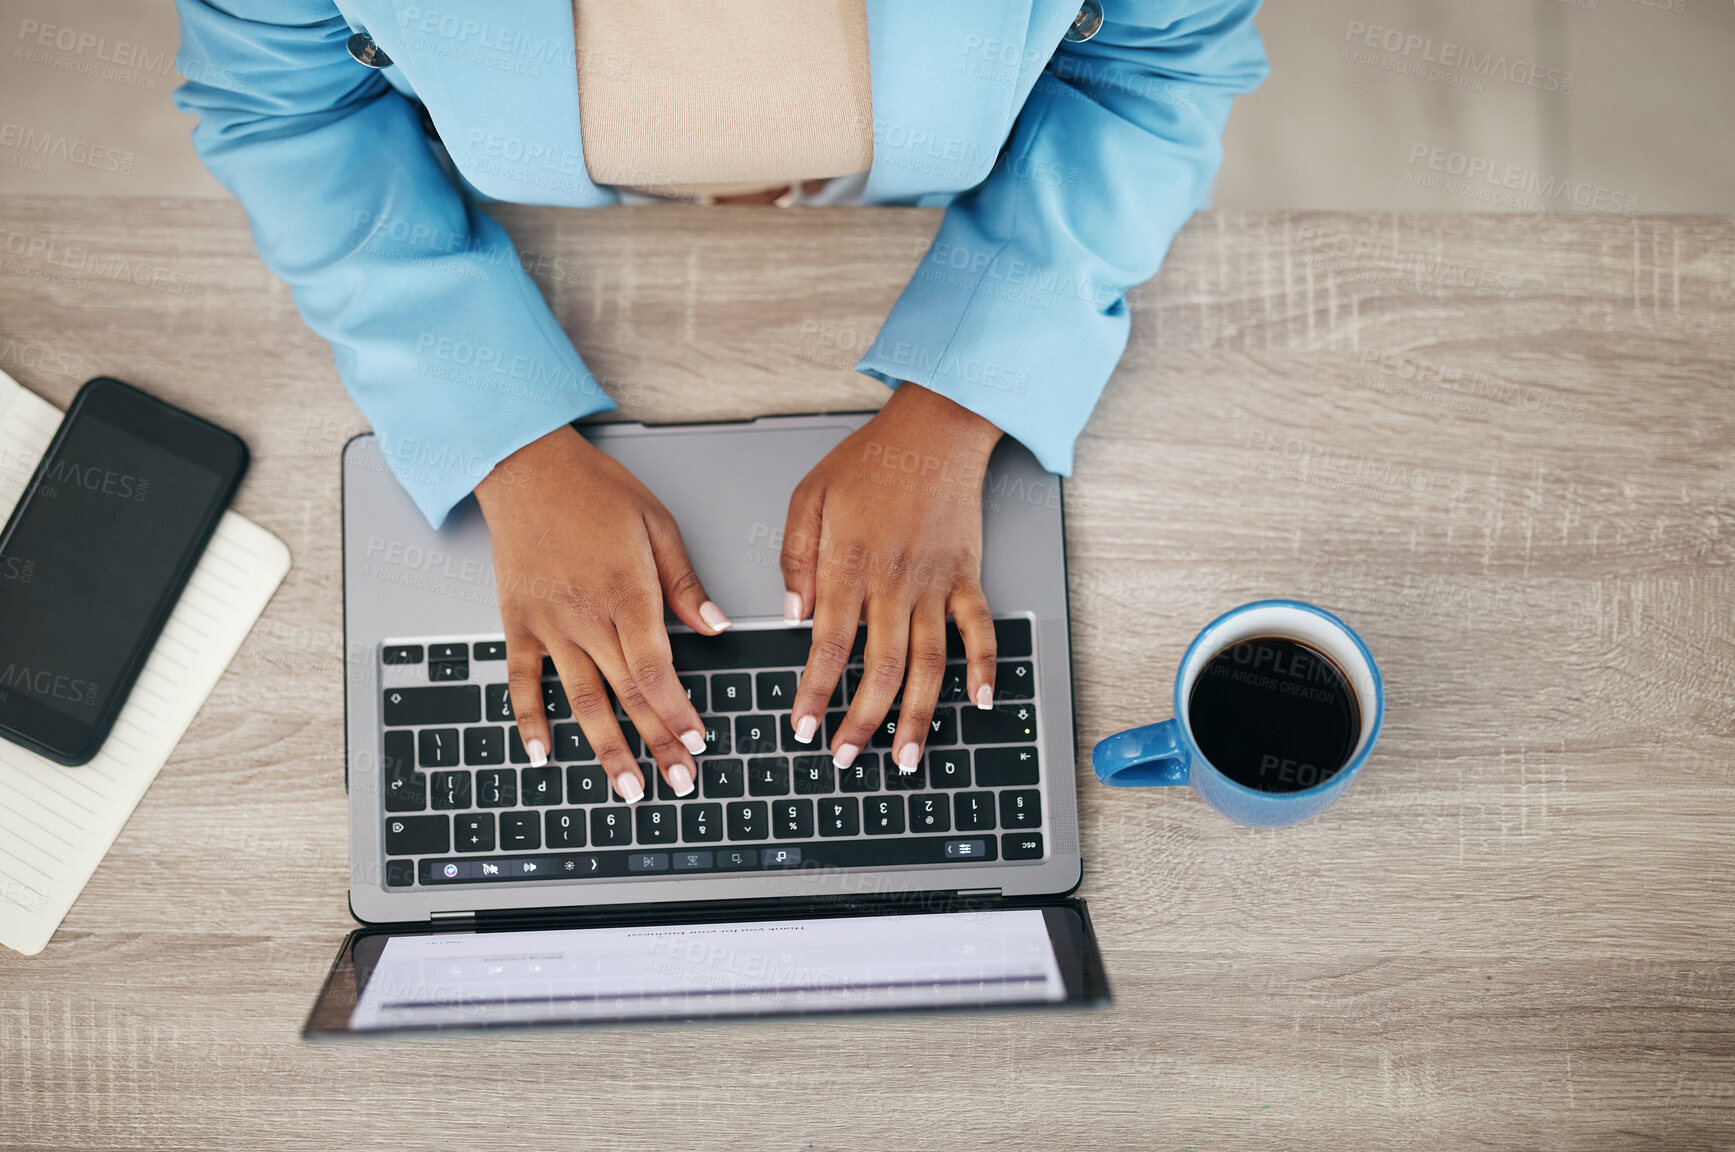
452 917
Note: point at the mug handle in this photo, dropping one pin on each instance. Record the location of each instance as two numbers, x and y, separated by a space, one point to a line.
1141 757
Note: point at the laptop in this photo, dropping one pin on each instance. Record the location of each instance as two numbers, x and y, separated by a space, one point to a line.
497 894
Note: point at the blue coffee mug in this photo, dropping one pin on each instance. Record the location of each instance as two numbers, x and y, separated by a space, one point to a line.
1166 753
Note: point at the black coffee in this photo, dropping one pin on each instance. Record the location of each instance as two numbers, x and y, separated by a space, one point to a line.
1274 714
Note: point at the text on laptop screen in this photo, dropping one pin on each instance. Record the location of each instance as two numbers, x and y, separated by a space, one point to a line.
831 964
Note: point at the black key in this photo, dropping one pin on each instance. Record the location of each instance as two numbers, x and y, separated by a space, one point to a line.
448 652
734 858
451 789
1014 680
1021 809
882 737
755 735
1011 638
696 694
861 776
441 704
520 830
1021 846
1003 767
448 670
554 704
586 784
406 789
748 820
949 769
484 745
716 734
770 648
731 692
839 816
415 835
611 827
565 828
570 743
882 815
497 703
723 778
1002 724
775 691
657 823
548 668
930 813
402 654
899 780
489 650
701 823
834 721
974 811
792 819
813 775
942 728
786 737
515 753
496 788
473 832
955 684
400 873
768 776
437 747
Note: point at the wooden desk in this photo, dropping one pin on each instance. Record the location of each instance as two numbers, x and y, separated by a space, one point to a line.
1502 446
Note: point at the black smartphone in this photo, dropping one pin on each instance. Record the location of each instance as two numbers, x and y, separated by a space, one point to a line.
95 555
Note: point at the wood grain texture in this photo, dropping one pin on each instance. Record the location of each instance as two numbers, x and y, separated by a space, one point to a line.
1502 447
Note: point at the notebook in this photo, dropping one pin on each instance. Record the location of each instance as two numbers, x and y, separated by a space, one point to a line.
56 823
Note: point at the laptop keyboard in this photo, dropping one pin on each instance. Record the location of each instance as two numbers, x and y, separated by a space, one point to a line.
463 805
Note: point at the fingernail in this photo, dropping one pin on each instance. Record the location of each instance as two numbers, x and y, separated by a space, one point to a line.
538 753
845 755
713 615
985 697
629 787
681 779
792 607
805 728
908 757
693 742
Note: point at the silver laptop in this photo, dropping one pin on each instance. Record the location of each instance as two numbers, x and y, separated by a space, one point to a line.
452 830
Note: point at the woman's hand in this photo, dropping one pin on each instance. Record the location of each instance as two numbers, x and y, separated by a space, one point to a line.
584 559
888 528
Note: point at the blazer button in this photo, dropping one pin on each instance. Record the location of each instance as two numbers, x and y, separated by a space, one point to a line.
1086 24
362 47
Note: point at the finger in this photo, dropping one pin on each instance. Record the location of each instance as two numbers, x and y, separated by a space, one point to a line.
673 755
588 695
682 591
649 670
927 668
970 609
524 688
800 555
882 674
834 623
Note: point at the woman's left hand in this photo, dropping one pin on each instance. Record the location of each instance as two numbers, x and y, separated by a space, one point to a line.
888 529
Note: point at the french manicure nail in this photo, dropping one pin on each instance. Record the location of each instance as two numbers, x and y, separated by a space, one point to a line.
845 756
908 757
805 728
713 615
538 753
630 789
681 779
693 742
792 607
985 698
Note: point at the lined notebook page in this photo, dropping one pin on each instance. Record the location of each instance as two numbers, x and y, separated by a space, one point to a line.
56 823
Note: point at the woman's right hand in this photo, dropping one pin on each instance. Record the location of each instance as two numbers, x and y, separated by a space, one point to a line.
584 560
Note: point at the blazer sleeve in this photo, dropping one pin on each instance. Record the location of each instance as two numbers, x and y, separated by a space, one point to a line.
1018 310
438 333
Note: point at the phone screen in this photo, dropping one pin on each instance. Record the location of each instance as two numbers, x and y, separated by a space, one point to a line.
101 544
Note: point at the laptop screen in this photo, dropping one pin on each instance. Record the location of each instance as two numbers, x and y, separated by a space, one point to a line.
821 964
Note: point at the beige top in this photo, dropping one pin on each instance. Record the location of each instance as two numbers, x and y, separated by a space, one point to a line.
708 97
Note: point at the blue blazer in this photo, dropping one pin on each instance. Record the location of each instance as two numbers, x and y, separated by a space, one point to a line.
1066 169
